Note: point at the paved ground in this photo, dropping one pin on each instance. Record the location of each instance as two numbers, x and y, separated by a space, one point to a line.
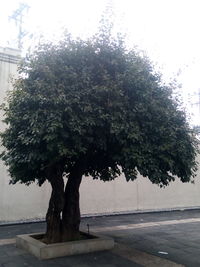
166 239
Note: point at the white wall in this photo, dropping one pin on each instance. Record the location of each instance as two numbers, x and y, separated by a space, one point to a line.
19 202
122 196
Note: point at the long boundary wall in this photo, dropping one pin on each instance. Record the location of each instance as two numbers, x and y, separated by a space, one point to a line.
21 203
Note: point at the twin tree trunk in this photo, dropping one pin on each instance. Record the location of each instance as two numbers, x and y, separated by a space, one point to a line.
63 215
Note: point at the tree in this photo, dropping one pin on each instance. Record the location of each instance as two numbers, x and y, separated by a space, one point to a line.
95 108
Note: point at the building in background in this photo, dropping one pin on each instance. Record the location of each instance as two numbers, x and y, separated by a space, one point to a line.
9 59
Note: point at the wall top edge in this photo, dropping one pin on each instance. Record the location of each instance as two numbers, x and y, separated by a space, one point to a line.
10 51
10 55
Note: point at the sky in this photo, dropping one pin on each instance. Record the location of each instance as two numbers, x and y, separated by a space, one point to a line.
168 30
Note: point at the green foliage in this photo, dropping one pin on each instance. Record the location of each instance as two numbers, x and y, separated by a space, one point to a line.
96 103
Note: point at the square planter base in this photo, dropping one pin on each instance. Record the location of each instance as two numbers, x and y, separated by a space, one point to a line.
44 251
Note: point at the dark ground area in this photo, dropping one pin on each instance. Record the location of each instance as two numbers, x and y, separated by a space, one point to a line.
167 238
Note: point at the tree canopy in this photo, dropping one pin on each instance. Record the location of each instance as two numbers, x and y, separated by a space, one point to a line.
97 104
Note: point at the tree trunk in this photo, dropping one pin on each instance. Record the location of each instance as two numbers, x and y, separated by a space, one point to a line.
56 204
71 211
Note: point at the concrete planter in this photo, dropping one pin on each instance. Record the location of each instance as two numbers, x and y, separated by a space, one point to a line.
43 251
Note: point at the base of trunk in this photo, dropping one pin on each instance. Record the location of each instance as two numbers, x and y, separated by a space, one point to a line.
63 235
79 236
71 236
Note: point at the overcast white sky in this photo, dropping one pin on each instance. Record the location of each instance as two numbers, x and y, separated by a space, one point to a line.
167 29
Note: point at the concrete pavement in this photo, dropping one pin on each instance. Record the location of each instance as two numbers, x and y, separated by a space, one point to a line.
146 239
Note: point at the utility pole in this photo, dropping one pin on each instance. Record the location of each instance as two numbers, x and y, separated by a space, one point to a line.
18 16
194 101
